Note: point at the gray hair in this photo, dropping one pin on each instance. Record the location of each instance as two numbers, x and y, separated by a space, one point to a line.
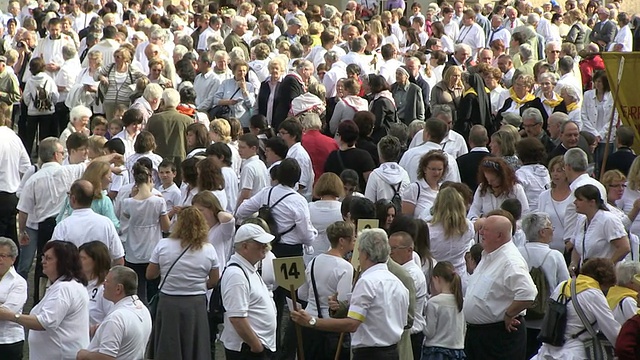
375 243
159 33
13 249
358 44
331 56
69 52
310 121
238 20
79 112
532 113
415 126
525 51
533 223
625 271
565 65
48 149
441 109
461 46
185 40
180 50
171 97
533 19
552 77
127 277
576 159
560 117
153 92
302 64
570 92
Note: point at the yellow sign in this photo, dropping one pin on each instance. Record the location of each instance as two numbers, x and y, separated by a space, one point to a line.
289 271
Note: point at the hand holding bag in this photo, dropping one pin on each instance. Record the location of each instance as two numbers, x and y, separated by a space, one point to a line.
221 111
153 303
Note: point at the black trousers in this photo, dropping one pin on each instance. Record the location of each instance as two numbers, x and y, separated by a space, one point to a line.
246 354
45 125
11 351
492 341
8 213
22 125
376 353
146 288
416 345
62 115
533 344
45 231
280 294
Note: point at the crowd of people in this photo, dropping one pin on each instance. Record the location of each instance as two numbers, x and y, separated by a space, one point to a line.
155 160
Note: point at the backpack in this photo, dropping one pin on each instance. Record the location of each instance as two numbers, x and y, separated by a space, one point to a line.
554 322
216 308
42 101
396 200
265 214
539 307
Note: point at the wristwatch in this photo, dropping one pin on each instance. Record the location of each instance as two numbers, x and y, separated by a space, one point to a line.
312 321
16 317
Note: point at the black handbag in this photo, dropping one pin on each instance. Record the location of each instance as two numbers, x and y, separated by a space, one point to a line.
153 303
598 347
554 322
221 111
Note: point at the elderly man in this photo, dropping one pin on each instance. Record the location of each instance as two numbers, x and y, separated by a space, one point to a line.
170 130
498 293
505 64
569 138
148 102
234 39
461 57
471 33
604 31
205 83
155 52
292 35
292 86
94 226
552 54
498 32
125 331
528 61
533 126
376 326
13 292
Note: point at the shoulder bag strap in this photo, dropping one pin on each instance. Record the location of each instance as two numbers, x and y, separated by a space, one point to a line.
172 265
545 257
234 94
580 312
315 288
239 267
280 200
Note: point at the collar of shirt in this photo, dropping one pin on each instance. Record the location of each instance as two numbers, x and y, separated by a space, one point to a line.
251 159
132 302
479 149
497 252
208 74
10 274
578 181
237 258
376 267
50 164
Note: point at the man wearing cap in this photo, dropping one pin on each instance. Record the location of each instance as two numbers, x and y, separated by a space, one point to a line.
250 317
234 39
9 87
227 17
293 29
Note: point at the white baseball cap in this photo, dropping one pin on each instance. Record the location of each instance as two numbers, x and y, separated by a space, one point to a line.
252 232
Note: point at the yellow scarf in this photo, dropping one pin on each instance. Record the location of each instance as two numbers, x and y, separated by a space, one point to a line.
553 103
527 98
572 107
583 283
617 294
473 91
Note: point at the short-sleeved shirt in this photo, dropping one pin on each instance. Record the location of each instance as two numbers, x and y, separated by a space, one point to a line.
99 307
171 195
382 325
144 230
596 237
254 175
421 195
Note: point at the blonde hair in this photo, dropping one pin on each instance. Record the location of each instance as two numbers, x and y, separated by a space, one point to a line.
96 144
449 210
191 228
452 70
633 177
94 173
507 140
222 128
612 176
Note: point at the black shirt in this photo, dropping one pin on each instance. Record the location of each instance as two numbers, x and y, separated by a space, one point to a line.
355 159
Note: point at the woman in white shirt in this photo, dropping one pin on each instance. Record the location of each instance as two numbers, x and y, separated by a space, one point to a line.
96 262
631 195
148 218
532 175
220 131
554 202
450 232
600 234
498 183
181 327
59 323
222 225
13 296
327 275
615 183
596 276
418 197
324 212
221 153
210 178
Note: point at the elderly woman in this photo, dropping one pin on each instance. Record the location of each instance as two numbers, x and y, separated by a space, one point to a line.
79 119
572 101
264 104
533 175
117 82
13 295
408 97
519 95
156 66
622 297
596 277
237 94
59 323
348 105
538 229
615 183
600 233
548 101
554 201
449 90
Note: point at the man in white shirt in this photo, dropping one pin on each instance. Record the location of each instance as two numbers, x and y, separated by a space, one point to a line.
433 134
376 327
471 33
125 331
337 70
453 143
328 43
401 244
212 30
253 173
250 317
94 226
107 46
498 294
512 20
205 84
498 32
50 49
567 78
451 27
356 55
291 132
391 63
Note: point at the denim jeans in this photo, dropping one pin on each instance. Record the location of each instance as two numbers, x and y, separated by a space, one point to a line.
27 252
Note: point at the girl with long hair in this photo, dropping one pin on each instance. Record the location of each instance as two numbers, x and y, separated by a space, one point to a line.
222 225
96 262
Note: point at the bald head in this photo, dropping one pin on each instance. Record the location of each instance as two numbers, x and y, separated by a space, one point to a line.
495 232
81 194
152 51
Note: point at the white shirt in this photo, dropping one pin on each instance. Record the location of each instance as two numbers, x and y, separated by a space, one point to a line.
205 86
500 33
626 309
452 248
124 333
571 80
99 307
411 159
171 195
452 29
594 239
498 96
482 204
338 71
358 59
14 160
388 70
94 227
106 47
128 141
13 296
125 193
333 275
251 300
473 36
623 37
291 211
383 182
190 273
381 324
556 211
64 314
591 122
323 213
144 230
420 285
231 187
453 144
626 204
534 179
254 175
421 195
236 160
296 151
221 237
571 217
316 55
446 325
501 278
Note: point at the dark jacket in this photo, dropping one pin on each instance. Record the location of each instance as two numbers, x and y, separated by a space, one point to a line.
621 160
603 31
414 104
426 89
468 164
386 114
289 89
263 98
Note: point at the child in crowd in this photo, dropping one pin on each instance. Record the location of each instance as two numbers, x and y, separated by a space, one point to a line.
99 126
120 174
115 127
472 258
169 190
96 146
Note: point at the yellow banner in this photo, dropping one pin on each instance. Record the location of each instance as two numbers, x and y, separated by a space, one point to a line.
628 101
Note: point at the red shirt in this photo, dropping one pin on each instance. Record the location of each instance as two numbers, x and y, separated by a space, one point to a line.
628 339
319 147
587 67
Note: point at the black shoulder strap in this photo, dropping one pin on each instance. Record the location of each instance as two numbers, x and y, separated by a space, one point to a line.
239 267
396 189
279 200
171 268
315 288
418 197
